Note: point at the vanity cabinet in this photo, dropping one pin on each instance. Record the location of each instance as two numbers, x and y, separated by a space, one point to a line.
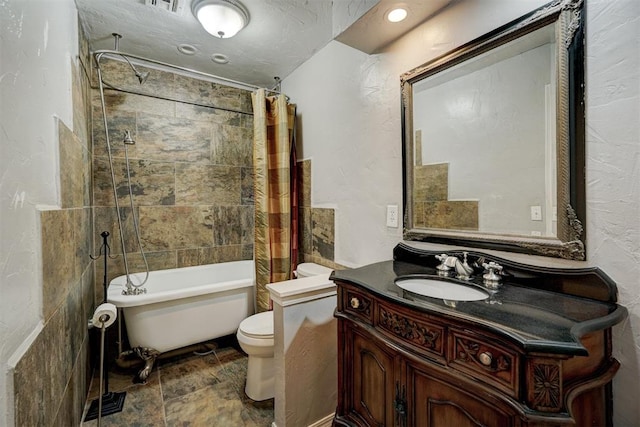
438 402
528 357
388 389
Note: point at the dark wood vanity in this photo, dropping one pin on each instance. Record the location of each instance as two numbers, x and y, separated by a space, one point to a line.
537 352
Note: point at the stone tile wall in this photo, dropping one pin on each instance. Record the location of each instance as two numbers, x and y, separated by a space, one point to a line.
191 169
50 380
317 225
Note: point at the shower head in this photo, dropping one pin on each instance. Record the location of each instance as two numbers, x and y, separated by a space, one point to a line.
127 138
142 76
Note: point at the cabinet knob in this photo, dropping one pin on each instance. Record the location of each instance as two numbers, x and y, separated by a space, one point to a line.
355 302
485 358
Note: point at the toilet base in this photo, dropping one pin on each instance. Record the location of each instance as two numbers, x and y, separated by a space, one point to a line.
260 378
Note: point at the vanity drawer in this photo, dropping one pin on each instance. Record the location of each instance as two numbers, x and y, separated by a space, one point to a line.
357 303
416 332
483 358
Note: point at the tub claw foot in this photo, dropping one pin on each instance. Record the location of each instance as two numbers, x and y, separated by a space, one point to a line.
148 355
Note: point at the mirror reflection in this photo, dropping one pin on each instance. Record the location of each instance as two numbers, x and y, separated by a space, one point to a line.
484 141
493 137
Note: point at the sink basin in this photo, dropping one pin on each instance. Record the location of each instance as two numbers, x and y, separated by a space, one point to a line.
441 289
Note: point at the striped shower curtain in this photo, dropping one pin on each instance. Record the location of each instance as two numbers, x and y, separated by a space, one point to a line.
276 200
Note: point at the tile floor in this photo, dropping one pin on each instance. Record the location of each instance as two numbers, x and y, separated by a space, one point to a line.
188 390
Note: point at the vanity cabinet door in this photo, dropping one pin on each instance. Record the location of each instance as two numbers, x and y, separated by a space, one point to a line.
434 402
373 376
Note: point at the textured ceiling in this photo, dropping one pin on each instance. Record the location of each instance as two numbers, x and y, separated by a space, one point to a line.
281 35
371 31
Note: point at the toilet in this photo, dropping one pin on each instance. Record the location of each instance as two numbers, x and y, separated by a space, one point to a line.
255 336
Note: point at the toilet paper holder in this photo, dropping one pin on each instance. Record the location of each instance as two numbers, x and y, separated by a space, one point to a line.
104 316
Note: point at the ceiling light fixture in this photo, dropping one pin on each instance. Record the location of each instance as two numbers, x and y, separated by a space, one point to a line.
221 18
397 15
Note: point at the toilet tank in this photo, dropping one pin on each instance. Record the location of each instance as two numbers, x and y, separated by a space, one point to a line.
308 269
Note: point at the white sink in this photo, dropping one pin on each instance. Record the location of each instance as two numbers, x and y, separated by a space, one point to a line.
441 289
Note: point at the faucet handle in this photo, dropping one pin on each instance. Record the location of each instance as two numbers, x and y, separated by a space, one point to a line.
491 277
492 266
442 266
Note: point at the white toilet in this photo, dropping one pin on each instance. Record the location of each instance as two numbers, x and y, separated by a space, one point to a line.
255 336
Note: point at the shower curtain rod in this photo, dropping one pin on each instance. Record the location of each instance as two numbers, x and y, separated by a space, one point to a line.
98 54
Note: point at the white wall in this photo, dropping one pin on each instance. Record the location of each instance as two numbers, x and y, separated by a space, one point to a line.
613 177
305 355
39 41
349 106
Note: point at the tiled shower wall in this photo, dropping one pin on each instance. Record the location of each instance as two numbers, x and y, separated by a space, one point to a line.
50 380
191 170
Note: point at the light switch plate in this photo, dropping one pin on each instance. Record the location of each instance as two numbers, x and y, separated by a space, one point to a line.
392 216
536 213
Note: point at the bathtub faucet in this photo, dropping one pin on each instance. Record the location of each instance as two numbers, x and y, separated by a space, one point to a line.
132 289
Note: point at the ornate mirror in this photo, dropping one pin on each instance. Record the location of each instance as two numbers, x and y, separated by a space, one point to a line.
493 139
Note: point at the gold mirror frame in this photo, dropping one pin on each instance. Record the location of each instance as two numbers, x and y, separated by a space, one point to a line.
568 18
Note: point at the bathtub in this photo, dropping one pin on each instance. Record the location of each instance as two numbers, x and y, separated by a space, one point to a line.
184 306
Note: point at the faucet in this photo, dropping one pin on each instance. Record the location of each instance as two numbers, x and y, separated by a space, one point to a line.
448 262
492 275
132 289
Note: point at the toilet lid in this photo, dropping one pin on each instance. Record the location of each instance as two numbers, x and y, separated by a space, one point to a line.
258 326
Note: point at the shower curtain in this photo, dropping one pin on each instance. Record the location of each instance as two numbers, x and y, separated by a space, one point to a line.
276 201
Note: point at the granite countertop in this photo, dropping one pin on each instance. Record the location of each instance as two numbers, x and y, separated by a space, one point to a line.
536 319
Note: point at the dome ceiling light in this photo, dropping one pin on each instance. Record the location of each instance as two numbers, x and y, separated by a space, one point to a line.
221 18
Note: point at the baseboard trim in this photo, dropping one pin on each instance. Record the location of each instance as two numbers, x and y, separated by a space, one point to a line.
323 422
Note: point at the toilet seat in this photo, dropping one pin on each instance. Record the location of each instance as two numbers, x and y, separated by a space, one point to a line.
258 326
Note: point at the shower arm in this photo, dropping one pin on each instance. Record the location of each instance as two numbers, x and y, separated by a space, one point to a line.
141 76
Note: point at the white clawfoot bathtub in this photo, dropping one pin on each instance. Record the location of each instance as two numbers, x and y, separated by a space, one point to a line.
184 306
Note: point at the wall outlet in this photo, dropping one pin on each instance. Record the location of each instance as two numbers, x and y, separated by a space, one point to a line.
536 213
392 216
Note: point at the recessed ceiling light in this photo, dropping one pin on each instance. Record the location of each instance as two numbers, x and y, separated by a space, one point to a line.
397 15
187 49
219 58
